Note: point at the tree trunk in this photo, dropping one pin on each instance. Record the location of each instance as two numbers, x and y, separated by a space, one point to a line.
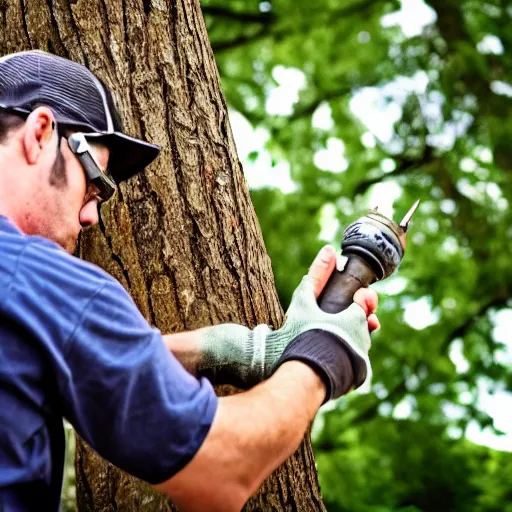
182 237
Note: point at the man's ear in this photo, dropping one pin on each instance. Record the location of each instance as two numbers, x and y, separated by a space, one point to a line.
39 131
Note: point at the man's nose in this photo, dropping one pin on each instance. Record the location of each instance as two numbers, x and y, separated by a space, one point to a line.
89 213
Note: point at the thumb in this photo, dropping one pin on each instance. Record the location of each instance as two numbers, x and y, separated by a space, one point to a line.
322 268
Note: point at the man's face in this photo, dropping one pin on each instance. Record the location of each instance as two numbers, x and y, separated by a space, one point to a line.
66 200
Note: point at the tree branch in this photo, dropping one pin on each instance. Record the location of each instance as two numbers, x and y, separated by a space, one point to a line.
301 111
242 17
308 110
356 8
406 166
460 331
303 28
241 40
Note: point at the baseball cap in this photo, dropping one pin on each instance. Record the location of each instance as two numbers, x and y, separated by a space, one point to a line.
78 99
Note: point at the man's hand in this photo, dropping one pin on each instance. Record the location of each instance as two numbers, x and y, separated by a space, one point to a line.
237 355
321 270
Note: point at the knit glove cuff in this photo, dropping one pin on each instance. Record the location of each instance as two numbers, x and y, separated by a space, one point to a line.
327 355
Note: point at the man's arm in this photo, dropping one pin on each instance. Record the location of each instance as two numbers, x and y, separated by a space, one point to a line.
186 348
251 435
231 356
254 432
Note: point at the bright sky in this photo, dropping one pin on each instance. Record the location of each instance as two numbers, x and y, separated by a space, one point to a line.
378 115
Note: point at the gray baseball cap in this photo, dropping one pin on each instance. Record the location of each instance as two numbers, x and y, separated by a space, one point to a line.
78 99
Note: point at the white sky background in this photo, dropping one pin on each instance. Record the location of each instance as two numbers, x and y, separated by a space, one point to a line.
378 116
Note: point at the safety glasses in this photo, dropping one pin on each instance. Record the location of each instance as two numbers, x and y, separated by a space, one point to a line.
103 185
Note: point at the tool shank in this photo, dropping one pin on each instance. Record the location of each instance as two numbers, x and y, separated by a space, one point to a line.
339 291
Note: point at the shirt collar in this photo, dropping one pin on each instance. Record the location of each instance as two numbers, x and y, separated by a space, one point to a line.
7 225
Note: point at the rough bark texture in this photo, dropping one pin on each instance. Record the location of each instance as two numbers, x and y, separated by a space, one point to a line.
183 237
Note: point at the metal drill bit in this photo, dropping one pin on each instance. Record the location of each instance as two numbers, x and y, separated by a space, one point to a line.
405 221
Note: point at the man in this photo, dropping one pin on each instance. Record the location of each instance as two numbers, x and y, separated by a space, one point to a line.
73 344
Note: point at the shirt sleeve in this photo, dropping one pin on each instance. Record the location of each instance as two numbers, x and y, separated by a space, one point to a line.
120 387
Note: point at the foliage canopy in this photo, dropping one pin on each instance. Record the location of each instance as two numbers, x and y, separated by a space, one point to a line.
414 110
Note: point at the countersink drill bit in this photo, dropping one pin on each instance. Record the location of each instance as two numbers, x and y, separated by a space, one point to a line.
405 221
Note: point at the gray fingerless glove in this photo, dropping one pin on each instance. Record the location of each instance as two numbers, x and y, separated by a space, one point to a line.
241 356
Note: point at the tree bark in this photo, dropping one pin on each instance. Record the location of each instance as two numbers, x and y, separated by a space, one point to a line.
183 237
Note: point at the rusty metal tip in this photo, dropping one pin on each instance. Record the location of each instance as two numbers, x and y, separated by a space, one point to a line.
405 221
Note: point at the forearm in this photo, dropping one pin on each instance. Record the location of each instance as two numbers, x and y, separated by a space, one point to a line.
263 427
185 346
252 434
230 362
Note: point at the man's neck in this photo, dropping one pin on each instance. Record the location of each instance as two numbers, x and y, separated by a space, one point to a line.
14 186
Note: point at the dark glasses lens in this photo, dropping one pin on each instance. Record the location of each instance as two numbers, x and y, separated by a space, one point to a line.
100 179
93 192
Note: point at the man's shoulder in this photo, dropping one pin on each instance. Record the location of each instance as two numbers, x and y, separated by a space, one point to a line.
20 252
44 260
37 274
12 244
47 290
24 257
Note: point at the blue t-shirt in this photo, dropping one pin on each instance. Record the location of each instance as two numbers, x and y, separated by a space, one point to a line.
74 345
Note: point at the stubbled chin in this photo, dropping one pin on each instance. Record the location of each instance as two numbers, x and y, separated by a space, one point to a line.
67 241
71 245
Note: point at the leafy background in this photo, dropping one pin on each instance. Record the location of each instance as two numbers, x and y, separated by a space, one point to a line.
342 105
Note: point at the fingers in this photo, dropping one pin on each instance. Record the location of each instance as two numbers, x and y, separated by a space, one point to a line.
322 268
368 300
373 322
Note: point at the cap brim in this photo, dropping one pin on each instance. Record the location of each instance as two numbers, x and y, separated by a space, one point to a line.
128 156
